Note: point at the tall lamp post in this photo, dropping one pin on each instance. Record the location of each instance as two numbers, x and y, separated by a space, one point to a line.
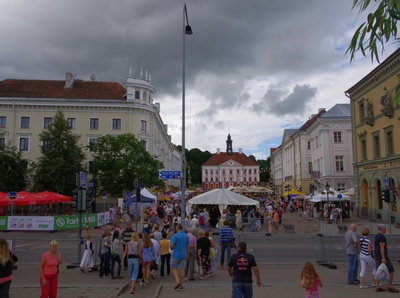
186 30
327 188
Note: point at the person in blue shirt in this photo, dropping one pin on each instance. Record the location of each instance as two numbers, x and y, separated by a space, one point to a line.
180 255
225 239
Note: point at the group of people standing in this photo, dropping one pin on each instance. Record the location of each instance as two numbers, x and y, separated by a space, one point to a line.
369 254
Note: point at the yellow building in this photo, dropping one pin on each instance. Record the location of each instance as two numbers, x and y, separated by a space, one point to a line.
92 108
376 141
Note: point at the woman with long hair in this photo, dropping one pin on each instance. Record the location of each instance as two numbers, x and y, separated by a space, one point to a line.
87 258
49 269
133 251
310 280
165 254
115 257
148 255
6 263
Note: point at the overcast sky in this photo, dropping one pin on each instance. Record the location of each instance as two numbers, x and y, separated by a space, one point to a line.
253 68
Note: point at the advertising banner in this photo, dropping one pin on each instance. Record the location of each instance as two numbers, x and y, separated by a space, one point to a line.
68 222
3 223
30 223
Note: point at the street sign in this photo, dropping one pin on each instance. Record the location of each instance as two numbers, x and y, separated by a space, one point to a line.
82 179
170 174
12 195
386 182
104 195
339 196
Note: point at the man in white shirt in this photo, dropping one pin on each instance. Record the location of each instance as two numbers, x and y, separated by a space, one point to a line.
194 221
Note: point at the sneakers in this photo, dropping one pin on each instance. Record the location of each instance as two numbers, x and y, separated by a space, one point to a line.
363 287
210 274
203 277
141 284
392 290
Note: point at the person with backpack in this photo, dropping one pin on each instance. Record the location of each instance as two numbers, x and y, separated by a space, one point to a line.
203 220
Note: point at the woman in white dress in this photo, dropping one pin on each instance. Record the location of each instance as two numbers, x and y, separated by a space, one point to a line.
239 221
87 258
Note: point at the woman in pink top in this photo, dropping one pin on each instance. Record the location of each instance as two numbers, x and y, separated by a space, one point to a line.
310 280
49 269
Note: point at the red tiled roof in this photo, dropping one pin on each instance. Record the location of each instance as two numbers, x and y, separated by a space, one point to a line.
312 120
55 89
219 158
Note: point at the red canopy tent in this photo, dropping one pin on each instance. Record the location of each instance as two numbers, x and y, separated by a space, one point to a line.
53 197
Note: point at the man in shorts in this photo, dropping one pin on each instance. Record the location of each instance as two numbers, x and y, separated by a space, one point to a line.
381 256
180 255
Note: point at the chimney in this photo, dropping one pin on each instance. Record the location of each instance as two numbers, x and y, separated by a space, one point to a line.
69 80
240 150
321 109
218 151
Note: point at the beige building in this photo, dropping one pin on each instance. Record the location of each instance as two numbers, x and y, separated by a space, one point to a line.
376 142
92 108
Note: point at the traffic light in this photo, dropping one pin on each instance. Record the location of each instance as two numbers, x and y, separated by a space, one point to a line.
76 199
385 195
89 195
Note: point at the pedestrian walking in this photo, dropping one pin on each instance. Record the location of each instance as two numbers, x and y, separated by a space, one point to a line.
310 280
87 258
50 265
366 257
134 254
382 256
225 239
351 241
180 255
7 260
240 268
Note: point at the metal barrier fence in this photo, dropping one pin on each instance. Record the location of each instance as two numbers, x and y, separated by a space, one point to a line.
273 249
299 249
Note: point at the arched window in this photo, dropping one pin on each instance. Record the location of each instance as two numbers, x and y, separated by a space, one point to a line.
137 95
144 96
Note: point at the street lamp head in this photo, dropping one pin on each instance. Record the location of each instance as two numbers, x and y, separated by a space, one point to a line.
327 187
188 30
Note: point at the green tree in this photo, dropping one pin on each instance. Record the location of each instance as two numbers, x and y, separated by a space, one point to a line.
196 158
13 170
61 159
377 30
265 169
119 160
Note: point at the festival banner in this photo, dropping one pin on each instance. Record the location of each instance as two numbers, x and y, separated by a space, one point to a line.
30 223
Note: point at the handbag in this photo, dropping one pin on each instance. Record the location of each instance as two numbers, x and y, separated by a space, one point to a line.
382 273
233 244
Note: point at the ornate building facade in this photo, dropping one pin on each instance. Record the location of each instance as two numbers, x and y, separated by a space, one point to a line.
376 142
92 108
225 169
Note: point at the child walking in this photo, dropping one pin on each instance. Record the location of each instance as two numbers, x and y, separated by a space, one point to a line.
310 280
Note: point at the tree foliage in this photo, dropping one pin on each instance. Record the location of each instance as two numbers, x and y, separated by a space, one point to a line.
377 30
13 170
61 159
119 160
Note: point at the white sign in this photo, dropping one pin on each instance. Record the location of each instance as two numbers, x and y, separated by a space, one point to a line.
33 223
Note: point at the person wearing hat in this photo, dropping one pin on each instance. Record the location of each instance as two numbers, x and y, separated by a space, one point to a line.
382 256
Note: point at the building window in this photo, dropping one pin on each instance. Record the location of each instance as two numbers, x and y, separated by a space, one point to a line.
144 144
2 142
92 142
362 110
25 122
47 121
3 122
337 137
137 95
116 124
339 163
94 123
376 144
341 186
216 172
144 125
363 150
308 145
144 96
389 140
316 142
71 122
23 144
310 171
223 171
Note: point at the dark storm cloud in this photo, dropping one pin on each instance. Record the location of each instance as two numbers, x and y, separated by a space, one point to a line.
279 101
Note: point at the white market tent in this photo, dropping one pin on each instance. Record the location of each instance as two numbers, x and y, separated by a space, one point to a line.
148 194
221 197
323 196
